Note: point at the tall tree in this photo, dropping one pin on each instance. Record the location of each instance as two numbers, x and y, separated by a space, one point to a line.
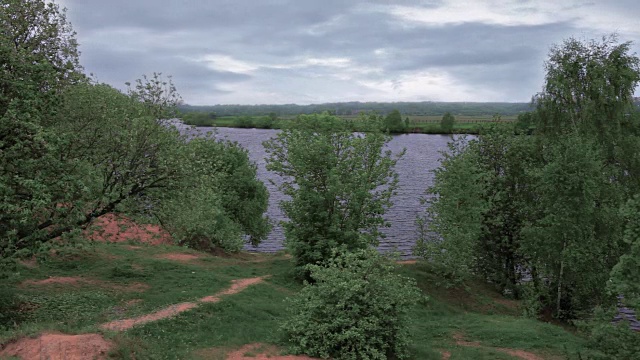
340 184
38 60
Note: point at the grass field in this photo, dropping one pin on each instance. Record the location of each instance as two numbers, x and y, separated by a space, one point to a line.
116 281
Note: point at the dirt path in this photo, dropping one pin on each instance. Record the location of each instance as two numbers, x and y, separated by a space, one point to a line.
76 280
173 310
520 354
262 352
59 347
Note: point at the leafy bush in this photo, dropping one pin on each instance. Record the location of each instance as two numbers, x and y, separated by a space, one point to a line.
221 200
355 309
612 341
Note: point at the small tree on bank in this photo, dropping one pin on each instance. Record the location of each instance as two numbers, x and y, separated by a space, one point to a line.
340 184
447 122
393 122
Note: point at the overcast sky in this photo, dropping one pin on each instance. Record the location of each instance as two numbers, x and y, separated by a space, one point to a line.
303 51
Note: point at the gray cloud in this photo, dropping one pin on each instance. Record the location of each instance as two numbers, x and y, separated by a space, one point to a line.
288 51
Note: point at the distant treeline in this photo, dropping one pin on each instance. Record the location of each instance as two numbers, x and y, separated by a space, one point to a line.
354 108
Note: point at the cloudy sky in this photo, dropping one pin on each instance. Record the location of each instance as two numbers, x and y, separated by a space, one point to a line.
304 51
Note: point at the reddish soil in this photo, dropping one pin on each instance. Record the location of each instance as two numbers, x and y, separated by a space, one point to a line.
173 310
59 347
118 228
262 352
179 256
521 354
446 355
407 262
68 280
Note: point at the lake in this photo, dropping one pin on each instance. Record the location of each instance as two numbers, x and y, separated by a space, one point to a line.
415 170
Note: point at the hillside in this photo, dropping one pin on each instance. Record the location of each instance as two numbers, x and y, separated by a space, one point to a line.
132 299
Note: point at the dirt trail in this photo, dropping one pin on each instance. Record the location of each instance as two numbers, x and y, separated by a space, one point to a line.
179 256
262 352
173 310
76 280
59 347
521 354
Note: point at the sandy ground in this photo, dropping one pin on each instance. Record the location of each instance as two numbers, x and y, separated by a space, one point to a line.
59 347
262 352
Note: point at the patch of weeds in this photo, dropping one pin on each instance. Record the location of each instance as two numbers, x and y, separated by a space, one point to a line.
9 307
127 271
70 308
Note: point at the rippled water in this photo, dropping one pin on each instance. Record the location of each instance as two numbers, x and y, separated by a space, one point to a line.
414 170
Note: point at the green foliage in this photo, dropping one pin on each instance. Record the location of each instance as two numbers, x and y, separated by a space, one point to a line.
356 309
199 118
455 213
340 184
612 341
243 122
393 122
447 122
572 244
39 56
72 151
589 88
625 276
546 206
220 200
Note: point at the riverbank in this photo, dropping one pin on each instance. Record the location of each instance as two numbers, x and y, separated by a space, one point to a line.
219 307
416 124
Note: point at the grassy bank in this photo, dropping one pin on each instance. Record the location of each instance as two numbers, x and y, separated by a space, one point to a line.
417 124
115 281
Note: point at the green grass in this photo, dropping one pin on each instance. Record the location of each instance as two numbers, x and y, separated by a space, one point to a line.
473 311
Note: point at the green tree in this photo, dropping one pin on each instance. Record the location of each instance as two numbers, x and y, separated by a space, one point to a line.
355 309
340 184
625 276
447 122
548 205
220 200
393 122
39 59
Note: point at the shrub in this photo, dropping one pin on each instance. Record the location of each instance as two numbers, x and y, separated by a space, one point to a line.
354 310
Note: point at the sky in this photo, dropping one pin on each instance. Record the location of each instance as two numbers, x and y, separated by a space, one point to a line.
304 51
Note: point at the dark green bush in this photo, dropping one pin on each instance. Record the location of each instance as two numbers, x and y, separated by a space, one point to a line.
612 341
355 309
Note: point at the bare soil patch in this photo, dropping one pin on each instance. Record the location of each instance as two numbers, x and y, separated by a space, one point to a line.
446 355
262 352
407 262
74 280
521 354
30 263
173 310
179 256
58 347
119 228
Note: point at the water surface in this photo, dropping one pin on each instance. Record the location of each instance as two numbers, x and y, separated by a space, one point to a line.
415 170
